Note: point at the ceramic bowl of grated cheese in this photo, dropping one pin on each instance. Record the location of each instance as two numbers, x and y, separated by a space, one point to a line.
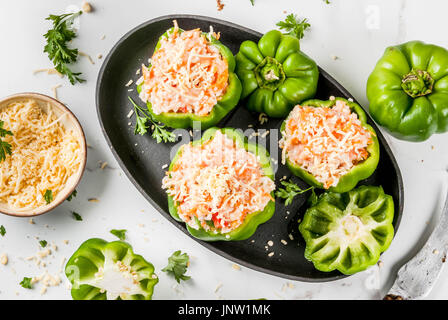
47 156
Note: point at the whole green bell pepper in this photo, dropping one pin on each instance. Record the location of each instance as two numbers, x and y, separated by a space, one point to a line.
101 270
225 104
360 171
408 90
348 231
275 74
252 220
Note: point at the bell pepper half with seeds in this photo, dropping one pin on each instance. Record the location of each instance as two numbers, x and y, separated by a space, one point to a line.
348 231
101 270
275 74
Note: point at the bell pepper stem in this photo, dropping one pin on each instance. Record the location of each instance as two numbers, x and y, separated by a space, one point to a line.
417 83
269 74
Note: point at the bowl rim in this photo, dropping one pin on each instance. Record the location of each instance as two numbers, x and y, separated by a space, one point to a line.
74 119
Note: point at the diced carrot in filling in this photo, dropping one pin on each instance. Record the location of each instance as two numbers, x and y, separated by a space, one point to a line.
187 74
326 142
216 185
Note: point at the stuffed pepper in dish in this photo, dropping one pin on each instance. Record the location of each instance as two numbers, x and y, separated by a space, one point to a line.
329 144
221 186
190 78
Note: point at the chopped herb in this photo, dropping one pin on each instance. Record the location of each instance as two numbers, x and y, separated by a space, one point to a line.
120 234
2 231
77 216
252 1
73 195
43 243
289 191
327 1
48 196
312 200
294 26
158 130
56 47
26 283
5 147
177 266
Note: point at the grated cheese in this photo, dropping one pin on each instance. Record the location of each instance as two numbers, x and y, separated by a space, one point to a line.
187 74
44 155
217 184
327 142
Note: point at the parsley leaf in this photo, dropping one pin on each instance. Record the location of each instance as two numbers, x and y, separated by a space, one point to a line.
56 47
2 231
177 266
77 216
43 243
73 195
290 191
48 196
294 26
158 130
26 283
119 233
5 147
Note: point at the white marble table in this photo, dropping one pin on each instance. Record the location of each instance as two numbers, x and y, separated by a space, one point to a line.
355 31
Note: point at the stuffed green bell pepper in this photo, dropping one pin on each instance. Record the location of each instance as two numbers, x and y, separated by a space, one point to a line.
221 186
190 78
329 144
348 231
408 90
275 74
101 270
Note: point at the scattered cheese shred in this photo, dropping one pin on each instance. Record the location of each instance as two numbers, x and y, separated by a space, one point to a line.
44 155
187 74
327 142
217 184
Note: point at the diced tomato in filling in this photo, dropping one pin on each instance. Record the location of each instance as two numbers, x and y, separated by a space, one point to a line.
216 185
326 142
187 74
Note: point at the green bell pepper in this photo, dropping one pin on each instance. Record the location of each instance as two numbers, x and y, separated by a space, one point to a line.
275 74
227 102
101 270
348 231
252 220
360 171
408 90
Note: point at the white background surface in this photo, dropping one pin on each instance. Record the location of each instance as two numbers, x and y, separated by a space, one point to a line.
356 31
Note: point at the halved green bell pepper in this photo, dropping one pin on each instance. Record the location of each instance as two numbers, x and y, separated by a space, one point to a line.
275 74
408 90
227 102
360 171
101 270
252 220
348 231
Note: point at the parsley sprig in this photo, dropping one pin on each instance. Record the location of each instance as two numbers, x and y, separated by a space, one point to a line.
56 47
177 266
158 130
294 26
289 191
26 283
5 147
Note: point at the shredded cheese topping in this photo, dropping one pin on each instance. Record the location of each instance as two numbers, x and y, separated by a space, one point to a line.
217 184
44 155
326 142
187 74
